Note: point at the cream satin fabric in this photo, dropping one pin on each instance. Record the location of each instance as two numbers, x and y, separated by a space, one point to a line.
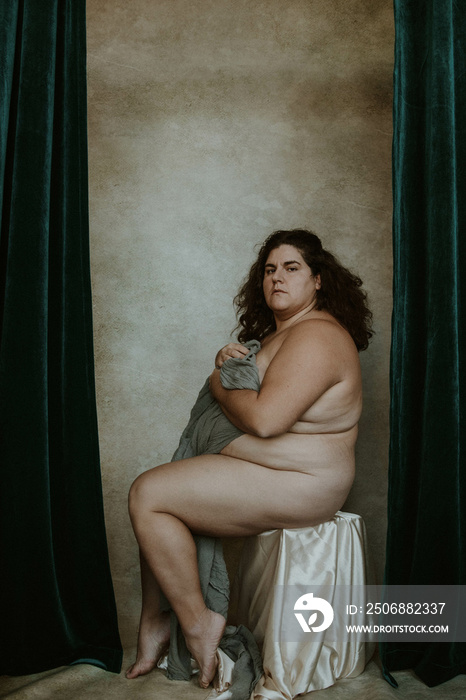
330 554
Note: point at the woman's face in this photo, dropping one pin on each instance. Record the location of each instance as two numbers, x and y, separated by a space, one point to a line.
289 285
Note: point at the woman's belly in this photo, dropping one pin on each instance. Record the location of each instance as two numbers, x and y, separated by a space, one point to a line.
327 455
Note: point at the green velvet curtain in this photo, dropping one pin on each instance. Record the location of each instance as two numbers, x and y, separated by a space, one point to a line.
426 541
56 596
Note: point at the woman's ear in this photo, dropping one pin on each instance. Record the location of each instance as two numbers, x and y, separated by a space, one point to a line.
318 281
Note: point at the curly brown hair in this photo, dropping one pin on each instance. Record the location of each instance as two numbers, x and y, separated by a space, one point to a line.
340 293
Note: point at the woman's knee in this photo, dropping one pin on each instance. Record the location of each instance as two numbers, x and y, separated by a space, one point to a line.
142 494
134 497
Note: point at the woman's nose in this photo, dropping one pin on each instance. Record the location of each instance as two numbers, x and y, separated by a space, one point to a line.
277 275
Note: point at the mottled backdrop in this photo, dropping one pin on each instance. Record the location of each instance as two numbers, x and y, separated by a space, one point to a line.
212 123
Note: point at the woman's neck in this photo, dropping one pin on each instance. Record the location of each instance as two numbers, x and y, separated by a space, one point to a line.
283 324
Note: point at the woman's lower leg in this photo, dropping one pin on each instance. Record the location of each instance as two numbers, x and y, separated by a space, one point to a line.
154 625
169 551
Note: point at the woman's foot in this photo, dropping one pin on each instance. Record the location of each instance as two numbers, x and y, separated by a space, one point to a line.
202 641
153 639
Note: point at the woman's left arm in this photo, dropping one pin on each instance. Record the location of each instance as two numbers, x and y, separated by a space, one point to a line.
305 366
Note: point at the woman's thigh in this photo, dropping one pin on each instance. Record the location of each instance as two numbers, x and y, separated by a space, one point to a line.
228 497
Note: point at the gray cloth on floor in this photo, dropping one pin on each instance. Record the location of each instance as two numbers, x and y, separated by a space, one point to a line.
208 432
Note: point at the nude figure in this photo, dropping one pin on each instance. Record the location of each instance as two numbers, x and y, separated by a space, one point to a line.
294 465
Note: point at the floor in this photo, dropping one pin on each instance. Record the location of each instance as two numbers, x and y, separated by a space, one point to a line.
88 683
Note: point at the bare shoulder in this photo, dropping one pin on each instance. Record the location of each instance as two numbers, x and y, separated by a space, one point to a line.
317 347
320 332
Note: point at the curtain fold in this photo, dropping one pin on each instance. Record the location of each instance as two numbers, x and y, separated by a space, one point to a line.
426 539
56 596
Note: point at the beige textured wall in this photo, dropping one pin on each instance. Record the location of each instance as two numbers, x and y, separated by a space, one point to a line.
212 123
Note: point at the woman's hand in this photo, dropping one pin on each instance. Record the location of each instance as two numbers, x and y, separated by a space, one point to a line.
230 350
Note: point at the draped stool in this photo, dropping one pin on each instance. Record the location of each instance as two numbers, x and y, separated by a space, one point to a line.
281 563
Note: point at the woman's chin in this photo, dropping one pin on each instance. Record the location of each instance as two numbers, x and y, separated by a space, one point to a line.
278 301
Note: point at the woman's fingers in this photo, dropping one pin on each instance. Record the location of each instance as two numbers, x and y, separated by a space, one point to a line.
230 350
238 350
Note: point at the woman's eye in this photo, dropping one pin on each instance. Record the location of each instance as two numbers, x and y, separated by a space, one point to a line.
292 269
